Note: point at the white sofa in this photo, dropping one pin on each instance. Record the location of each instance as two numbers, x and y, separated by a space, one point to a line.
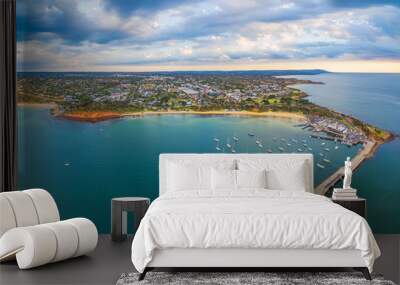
31 231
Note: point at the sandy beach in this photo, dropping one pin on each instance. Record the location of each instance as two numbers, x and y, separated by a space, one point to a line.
37 105
101 116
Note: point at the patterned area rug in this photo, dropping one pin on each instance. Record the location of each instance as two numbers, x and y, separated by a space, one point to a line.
229 278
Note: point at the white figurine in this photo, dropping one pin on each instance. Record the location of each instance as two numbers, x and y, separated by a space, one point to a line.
347 174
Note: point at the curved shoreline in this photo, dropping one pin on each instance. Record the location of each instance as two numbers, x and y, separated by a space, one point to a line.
94 117
37 105
367 152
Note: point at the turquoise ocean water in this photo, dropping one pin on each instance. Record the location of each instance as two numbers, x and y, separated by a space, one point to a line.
374 98
84 165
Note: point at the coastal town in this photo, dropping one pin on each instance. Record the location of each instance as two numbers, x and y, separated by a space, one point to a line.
155 92
96 98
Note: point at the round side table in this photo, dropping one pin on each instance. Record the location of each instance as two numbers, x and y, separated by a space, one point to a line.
119 208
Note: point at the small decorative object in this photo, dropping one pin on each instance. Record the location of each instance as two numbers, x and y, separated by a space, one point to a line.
345 193
347 174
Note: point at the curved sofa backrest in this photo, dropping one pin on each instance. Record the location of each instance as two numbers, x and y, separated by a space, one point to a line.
26 208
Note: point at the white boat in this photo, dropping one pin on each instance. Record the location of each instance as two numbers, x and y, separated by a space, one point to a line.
326 149
336 147
323 143
299 150
216 139
293 140
309 148
321 154
283 139
269 150
305 145
228 145
320 165
258 141
236 139
218 148
251 134
260 145
281 148
288 144
233 151
67 164
326 160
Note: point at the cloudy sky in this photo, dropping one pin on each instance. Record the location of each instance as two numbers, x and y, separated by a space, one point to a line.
147 35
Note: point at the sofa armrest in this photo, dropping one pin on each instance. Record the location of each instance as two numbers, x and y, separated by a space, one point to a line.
41 244
32 246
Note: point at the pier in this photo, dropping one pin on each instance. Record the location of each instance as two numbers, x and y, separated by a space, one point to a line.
364 154
324 137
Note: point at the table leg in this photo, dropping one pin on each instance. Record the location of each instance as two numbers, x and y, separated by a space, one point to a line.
124 223
116 223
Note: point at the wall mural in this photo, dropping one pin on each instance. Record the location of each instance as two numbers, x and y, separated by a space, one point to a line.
105 86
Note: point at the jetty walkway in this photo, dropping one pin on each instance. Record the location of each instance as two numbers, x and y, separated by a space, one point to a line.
367 152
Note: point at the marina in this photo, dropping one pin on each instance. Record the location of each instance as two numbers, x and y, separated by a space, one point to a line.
292 145
335 130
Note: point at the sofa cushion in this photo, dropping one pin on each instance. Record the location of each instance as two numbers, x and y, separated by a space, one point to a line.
41 244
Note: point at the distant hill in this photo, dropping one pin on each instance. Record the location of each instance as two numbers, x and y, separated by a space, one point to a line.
208 72
251 72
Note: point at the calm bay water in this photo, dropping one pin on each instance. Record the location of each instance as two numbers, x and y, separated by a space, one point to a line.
84 165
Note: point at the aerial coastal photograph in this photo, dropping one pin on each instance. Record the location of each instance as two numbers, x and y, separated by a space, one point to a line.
98 101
